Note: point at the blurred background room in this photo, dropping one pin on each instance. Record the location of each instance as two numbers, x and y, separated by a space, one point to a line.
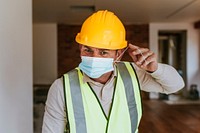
37 46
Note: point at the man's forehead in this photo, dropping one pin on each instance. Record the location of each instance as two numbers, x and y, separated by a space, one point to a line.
95 48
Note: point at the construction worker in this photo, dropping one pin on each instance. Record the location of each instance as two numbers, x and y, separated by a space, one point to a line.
102 95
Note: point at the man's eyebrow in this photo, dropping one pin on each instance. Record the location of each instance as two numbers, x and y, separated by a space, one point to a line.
87 47
104 49
99 49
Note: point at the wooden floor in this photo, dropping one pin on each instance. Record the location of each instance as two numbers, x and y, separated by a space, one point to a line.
159 117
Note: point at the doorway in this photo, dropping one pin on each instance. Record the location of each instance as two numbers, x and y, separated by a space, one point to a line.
172 51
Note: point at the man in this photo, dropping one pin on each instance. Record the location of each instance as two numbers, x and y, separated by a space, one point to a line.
102 95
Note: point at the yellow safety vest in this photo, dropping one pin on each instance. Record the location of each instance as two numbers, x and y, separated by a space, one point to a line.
85 113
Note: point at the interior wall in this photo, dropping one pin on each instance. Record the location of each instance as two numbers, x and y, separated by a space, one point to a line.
16 97
192 48
44 53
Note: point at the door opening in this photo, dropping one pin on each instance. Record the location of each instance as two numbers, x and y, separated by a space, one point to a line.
172 51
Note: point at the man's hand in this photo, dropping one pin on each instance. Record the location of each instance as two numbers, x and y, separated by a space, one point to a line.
143 58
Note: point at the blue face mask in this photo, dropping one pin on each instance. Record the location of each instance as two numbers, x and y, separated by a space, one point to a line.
95 67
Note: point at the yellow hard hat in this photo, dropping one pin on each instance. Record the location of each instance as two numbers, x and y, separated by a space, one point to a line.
103 30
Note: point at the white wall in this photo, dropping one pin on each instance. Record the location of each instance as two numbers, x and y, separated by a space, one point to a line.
16 107
193 46
44 53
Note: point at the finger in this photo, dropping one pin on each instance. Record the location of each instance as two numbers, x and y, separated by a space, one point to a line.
148 60
140 51
140 60
132 47
135 58
147 54
138 54
142 56
145 58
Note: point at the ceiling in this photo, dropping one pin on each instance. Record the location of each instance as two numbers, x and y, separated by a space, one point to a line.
129 11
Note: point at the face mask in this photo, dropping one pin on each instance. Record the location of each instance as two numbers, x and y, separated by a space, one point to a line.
95 67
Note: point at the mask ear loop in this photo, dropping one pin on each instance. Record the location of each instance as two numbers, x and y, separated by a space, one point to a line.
142 55
121 55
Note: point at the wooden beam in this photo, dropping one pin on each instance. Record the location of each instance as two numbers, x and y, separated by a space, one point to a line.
197 25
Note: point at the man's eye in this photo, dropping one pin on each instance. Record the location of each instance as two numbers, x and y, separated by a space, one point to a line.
88 50
103 53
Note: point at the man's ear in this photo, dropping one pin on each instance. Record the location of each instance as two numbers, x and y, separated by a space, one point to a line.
118 54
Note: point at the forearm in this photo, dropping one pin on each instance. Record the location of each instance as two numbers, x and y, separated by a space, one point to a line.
164 80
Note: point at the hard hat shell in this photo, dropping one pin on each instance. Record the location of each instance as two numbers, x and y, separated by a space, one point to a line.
103 30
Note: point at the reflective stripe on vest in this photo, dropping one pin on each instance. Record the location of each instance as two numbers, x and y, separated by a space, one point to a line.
85 113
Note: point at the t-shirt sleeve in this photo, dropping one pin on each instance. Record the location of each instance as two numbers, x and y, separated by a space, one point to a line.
164 80
54 120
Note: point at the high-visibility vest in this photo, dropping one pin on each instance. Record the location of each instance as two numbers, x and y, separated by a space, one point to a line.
84 112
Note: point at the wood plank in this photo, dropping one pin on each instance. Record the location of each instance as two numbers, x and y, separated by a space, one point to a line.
159 117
